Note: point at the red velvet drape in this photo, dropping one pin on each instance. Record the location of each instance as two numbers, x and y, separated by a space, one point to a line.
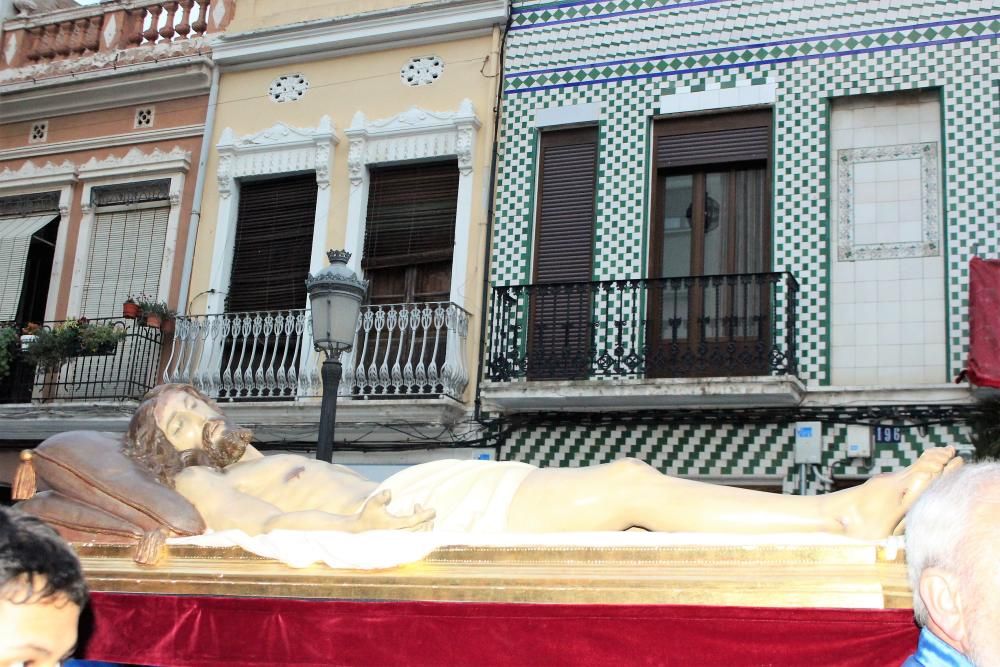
176 630
983 366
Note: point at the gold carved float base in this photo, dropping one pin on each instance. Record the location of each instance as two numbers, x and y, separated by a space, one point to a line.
866 576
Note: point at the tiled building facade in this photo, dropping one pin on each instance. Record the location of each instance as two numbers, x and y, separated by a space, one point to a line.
882 184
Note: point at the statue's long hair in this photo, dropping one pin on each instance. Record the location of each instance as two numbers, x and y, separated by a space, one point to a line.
146 444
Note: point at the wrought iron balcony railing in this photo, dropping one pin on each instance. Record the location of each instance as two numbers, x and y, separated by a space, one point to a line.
124 371
696 326
400 350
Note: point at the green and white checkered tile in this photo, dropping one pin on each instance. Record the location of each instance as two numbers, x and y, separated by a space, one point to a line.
957 55
716 451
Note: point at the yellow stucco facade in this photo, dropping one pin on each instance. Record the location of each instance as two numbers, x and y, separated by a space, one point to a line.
348 79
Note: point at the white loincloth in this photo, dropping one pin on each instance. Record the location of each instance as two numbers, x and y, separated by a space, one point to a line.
467 496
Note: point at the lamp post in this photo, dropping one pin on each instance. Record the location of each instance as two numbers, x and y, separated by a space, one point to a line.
335 294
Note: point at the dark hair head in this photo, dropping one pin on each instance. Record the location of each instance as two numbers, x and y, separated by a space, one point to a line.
35 563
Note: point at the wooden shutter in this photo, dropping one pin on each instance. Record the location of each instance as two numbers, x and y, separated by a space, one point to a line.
126 257
564 240
564 248
274 231
717 139
411 215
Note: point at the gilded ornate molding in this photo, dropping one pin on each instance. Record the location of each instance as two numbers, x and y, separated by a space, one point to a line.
278 149
412 135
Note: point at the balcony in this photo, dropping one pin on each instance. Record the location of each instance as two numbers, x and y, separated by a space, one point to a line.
122 373
75 59
694 341
401 351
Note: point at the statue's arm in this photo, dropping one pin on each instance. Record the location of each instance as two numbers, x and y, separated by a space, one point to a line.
224 508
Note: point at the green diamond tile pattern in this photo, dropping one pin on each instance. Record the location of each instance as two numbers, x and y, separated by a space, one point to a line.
763 452
963 71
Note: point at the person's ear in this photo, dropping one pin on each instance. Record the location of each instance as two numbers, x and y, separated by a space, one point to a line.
940 594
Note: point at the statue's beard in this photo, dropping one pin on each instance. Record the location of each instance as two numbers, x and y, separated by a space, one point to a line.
222 444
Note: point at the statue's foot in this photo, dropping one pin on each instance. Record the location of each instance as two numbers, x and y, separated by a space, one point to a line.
874 509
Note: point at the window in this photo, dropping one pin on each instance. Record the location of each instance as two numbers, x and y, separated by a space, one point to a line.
410 232
28 228
274 231
407 259
711 208
559 342
126 247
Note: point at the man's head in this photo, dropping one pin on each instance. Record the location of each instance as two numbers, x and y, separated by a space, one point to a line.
953 552
42 591
176 426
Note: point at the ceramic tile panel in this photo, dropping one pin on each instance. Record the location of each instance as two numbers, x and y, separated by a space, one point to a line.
630 56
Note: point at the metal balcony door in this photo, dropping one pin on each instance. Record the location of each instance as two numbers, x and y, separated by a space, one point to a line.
711 219
559 342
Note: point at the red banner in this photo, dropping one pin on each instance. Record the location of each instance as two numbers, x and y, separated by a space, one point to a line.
983 367
202 631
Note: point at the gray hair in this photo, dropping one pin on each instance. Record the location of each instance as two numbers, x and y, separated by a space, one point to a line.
940 523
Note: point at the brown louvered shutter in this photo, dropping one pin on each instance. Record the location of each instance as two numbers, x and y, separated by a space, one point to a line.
718 139
274 231
564 248
411 215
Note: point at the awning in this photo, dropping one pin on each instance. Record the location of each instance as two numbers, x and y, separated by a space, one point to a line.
983 366
15 239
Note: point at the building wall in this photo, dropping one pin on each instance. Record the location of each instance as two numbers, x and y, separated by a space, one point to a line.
257 14
369 83
109 135
888 288
652 58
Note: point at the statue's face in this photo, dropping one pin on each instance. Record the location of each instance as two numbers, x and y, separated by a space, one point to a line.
183 419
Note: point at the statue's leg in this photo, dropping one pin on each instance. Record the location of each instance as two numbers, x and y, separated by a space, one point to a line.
626 493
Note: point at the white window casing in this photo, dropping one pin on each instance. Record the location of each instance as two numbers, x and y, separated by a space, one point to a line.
415 134
135 167
280 149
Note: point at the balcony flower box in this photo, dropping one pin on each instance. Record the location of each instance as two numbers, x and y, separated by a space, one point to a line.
71 339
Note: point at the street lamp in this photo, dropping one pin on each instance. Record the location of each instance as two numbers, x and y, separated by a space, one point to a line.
335 294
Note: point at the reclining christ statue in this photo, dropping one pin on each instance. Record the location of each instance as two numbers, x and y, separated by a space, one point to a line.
183 439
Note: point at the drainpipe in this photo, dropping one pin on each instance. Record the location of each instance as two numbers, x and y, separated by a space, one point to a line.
199 189
499 53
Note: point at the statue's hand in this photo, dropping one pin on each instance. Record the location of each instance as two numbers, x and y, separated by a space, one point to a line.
375 515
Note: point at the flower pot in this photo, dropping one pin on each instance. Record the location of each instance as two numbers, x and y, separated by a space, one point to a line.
27 340
131 310
153 320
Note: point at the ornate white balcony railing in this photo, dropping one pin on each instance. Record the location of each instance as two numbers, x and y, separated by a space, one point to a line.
408 349
241 355
401 350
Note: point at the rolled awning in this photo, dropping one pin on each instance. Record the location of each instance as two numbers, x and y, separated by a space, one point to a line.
983 366
15 239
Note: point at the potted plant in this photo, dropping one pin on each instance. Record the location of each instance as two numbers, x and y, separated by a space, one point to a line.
73 338
157 314
131 309
29 334
8 348
95 339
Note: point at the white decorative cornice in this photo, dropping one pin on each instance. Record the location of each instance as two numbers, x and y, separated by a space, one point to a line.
279 149
68 87
34 177
107 141
411 24
138 163
412 135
